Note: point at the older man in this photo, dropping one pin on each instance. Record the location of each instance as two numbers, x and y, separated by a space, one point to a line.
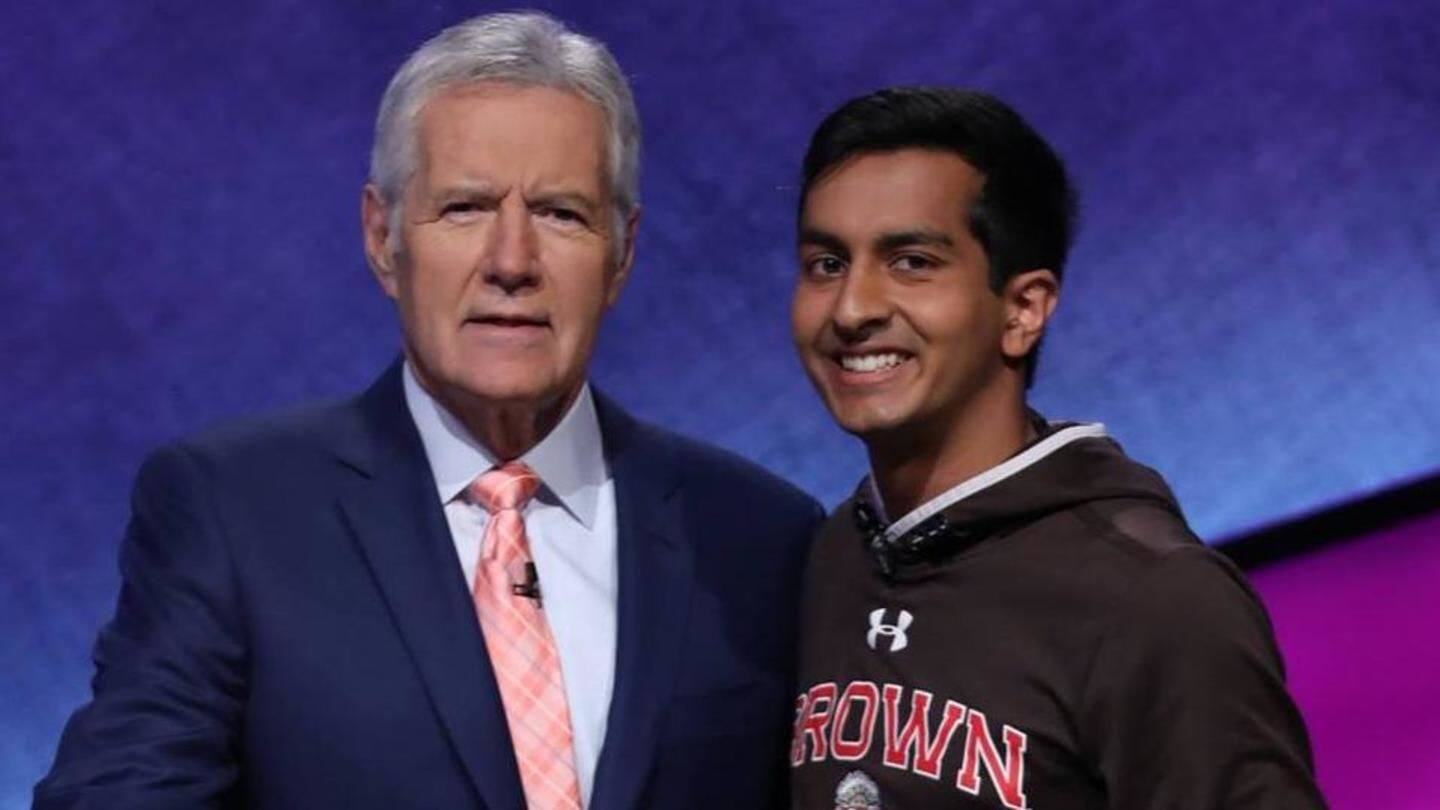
479 583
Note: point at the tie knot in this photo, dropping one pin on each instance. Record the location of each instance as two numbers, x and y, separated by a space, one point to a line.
508 486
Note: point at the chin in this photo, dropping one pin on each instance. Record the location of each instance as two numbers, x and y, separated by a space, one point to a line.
866 422
511 393
489 384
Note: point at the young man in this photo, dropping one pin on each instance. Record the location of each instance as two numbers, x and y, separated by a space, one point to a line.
1009 612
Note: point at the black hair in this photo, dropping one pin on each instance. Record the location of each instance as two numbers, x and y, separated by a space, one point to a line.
1025 214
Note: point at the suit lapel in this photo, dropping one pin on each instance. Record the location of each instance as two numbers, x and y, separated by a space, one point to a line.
399 525
656 576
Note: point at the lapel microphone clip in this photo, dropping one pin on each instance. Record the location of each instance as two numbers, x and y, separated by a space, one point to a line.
933 541
530 588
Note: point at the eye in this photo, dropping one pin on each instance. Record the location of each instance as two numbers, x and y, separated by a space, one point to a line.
459 210
825 265
562 214
913 262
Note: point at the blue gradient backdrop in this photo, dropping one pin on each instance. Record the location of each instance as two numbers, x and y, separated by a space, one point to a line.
1251 307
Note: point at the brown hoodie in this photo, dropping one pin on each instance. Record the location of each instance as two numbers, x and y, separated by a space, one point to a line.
1057 638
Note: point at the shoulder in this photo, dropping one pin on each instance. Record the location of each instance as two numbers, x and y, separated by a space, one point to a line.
706 471
717 470
1199 589
1102 550
1143 573
255 449
1189 612
732 508
1155 557
300 425
1138 528
738 517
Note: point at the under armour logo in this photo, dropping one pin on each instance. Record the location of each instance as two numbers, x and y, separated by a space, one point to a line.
896 631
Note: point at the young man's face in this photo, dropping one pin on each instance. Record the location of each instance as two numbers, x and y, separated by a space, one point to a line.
893 315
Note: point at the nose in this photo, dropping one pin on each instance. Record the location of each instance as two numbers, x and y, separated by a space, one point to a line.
863 305
511 261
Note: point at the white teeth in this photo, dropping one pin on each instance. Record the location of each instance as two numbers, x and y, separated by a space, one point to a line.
870 363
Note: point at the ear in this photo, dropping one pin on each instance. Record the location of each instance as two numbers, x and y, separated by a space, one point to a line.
626 260
375 222
1030 299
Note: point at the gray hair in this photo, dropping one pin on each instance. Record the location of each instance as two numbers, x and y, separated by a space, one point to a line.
527 48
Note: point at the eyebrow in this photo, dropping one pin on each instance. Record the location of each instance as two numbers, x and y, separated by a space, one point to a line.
884 243
571 199
823 239
463 190
483 190
920 236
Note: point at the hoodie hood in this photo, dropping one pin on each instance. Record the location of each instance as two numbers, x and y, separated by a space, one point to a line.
1068 465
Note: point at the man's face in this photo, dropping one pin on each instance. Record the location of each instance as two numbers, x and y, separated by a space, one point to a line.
504 260
893 316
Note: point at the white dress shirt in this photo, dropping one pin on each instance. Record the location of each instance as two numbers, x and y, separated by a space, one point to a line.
571 527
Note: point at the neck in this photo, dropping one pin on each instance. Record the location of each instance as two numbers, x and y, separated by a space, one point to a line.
914 466
509 430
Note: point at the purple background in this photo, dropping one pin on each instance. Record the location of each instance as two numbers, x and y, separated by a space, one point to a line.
1357 623
1250 308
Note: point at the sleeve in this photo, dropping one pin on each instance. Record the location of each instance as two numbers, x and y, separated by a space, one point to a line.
169 688
1185 704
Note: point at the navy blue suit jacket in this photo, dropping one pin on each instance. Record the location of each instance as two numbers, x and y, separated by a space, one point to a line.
294 630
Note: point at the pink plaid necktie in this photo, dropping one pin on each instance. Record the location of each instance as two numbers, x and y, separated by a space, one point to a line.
522 651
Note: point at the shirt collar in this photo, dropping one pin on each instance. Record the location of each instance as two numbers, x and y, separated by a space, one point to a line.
570 460
1052 437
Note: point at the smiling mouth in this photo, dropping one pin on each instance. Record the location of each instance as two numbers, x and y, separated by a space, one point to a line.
871 362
